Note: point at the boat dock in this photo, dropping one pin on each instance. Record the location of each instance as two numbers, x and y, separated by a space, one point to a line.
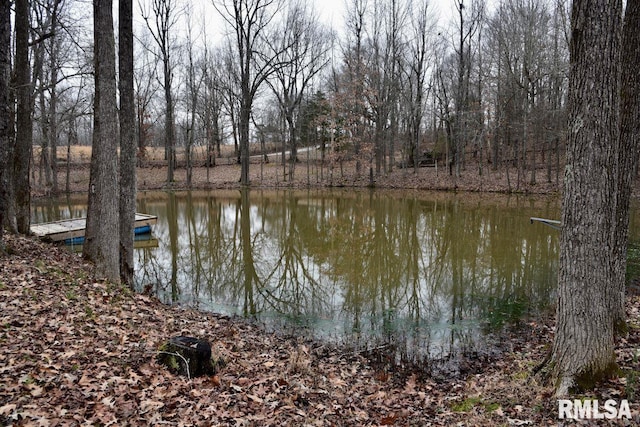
68 229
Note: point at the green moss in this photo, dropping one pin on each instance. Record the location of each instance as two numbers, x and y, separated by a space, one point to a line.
520 375
118 292
472 402
588 379
621 328
71 295
633 261
632 376
466 405
490 407
539 407
166 358
88 311
172 362
81 275
169 360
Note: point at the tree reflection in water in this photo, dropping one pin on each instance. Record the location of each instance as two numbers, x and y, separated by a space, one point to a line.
429 274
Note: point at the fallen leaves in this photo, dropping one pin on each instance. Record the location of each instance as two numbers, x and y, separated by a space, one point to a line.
90 360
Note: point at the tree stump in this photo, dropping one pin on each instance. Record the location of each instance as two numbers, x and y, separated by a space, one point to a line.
188 356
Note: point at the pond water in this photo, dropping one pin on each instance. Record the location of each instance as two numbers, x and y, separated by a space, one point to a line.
432 273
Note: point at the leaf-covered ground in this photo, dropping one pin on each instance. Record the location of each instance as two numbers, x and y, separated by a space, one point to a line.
79 351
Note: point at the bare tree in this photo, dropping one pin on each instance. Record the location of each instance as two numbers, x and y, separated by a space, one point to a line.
46 71
249 20
212 105
24 123
301 53
583 348
165 18
5 147
416 69
524 33
145 86
193 84
627 162
42 16
444 88
384 76
102 234
469 20
60 64
230 84
353 90
74 107
128 143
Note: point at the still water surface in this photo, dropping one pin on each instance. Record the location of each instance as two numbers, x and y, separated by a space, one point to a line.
431 272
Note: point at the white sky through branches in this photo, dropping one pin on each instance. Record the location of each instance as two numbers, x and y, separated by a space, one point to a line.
331 12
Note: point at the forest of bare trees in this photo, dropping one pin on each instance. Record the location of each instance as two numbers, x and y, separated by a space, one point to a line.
392 83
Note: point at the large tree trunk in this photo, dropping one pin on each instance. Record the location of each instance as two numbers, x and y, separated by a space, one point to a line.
583 349
629 143
5 148
102 234
24 124
127 141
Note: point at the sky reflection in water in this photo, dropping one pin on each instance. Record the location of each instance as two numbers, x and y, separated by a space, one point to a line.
431 272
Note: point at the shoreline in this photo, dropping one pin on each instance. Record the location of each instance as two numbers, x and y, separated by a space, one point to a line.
271 176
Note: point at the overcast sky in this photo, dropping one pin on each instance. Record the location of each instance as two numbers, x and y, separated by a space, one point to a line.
332 13
204 15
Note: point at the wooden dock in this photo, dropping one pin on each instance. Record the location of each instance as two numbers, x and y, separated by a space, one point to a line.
57 231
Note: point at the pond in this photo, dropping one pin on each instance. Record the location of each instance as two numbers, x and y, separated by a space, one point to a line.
430 273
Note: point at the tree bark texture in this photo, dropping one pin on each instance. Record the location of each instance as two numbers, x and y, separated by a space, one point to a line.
24 124
102 234
127 141
5 148
583 348
628 151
